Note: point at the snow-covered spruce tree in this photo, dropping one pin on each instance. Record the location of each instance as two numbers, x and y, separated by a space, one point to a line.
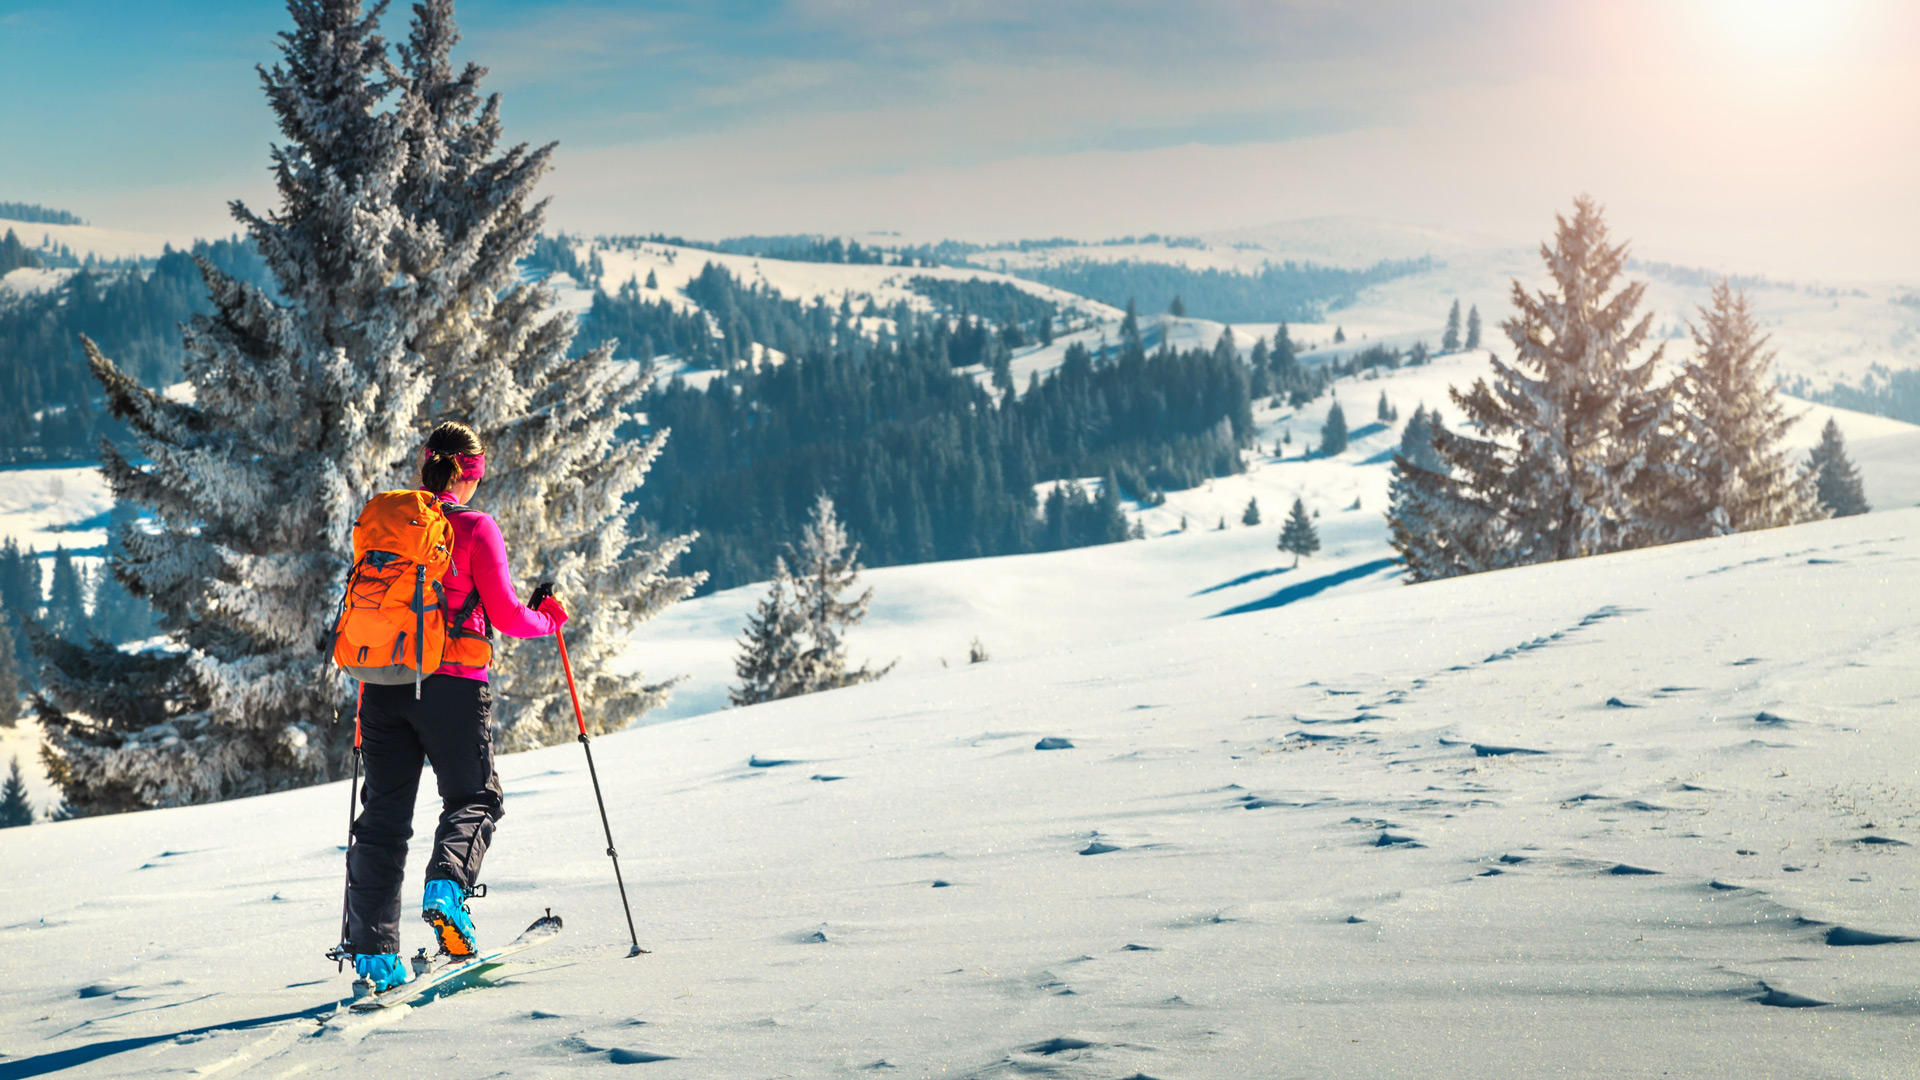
1727 472
1450 337
1333 433
549 421
15 809
795 642
1251 515
1836 481
1298 534
768 664
391 253
1473 327
1569 427
829 567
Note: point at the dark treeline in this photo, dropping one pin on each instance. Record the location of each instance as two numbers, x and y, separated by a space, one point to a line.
922 462
48 401
1285 292
14 254
37 214
995 301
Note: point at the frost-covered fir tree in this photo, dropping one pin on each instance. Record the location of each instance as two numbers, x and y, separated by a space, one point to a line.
1568 427
1450 338
1333 433
15 808
795 642
1837 483
392 252
1251 515
1298 534
1473 327
1727 472
1384 411
768 663
828 566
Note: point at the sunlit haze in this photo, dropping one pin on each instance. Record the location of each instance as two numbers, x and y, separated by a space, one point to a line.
1753 135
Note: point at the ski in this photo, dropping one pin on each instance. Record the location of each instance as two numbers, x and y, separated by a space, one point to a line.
430 973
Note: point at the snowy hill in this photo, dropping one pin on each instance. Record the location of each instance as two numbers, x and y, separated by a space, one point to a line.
1022 606
1474 828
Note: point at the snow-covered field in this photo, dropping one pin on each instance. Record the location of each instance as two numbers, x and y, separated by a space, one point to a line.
1588 819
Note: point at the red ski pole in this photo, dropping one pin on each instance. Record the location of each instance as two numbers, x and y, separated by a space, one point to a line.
540 596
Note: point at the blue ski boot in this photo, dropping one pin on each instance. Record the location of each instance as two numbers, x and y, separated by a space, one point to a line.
383 970
444 908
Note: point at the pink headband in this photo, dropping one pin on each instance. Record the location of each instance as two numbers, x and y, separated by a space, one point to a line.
472 466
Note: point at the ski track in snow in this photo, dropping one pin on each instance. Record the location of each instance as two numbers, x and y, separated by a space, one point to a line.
1394 833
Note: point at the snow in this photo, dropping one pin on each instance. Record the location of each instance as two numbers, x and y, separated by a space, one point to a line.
1305 807
44 506
33 280
674 266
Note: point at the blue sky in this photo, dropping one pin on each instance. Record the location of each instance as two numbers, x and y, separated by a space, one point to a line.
1764 133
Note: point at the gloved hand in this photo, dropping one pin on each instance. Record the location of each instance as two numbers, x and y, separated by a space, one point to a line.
552 608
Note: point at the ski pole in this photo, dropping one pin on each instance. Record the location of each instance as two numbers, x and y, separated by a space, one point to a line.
339 953
540 595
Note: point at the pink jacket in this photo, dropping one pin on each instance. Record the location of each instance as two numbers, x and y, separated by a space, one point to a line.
480 560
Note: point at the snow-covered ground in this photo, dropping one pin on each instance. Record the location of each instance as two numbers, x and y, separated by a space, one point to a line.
1586 819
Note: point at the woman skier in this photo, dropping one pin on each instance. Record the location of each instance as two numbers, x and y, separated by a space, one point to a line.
448 723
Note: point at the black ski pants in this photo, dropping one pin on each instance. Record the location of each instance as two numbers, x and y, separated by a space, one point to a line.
450 725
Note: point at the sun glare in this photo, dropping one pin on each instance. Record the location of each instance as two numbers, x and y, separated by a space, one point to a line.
1782 26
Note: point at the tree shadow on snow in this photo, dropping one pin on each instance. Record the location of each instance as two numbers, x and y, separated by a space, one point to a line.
1310 588
58 1060
1244 578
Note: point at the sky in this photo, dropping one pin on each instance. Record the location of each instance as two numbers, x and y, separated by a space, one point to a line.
1769 136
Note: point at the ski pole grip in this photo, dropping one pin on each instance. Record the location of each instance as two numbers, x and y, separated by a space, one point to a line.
541 594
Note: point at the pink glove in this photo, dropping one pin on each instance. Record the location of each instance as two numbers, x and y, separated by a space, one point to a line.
552 608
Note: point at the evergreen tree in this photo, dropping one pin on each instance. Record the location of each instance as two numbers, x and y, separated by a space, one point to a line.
653 282
1046 330
1333 433
1339 335
396 302
1473 327
1298 535
768 664
1837 484
829 567
67 599
1383 412
1416 440
1558 471
1177 309
1727 472
15 810
1450 339
1251 515
9 679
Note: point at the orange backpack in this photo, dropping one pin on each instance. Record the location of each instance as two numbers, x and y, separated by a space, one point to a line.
392 627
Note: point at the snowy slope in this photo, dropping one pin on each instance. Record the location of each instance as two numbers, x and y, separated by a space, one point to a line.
926 615
1585 819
